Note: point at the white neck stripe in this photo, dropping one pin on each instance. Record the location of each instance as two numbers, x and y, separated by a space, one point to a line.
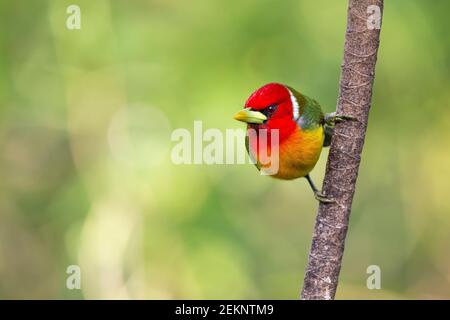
295 106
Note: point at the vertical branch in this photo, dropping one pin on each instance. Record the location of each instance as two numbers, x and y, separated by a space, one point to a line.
357 75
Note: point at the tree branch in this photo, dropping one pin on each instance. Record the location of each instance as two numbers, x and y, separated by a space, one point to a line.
357 76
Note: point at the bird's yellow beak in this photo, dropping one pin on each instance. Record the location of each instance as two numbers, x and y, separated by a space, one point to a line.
248 116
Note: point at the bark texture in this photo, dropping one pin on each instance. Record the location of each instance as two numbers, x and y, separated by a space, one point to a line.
357 76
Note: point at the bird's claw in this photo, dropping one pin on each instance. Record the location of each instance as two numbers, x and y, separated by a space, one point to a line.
333 118
343 117
323 198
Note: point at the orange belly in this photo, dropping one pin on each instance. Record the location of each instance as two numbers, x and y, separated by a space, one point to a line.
299 153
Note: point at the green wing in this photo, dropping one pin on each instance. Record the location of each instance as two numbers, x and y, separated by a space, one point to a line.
311 115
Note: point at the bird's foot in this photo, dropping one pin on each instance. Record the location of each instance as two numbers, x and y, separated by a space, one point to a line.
333 118
343 117
323 198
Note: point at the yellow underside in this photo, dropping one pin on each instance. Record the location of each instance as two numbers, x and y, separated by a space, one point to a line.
299 153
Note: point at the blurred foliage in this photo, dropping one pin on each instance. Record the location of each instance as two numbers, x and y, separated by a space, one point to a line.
85 170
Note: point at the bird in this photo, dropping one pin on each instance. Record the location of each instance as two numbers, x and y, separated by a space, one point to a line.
303 130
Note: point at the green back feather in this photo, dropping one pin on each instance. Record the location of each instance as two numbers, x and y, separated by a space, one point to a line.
311 115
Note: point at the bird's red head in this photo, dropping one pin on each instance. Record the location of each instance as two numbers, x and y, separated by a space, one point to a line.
272 106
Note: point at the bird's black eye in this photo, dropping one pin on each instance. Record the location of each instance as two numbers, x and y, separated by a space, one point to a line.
269 110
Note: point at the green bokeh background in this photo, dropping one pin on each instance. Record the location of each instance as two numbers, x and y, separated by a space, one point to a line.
86 176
